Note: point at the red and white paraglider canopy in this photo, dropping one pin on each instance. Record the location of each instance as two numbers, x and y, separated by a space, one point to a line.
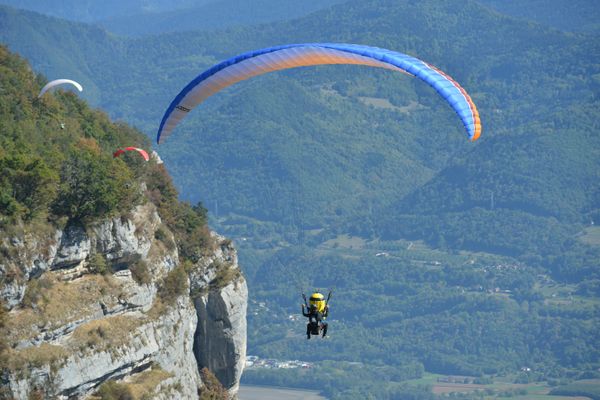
141 151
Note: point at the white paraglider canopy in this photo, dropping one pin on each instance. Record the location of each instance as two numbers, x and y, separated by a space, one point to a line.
57 82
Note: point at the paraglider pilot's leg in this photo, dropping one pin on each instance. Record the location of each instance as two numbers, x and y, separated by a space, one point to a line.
308 328
324 327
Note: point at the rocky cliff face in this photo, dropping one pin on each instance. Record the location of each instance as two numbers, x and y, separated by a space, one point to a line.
150 323
220 292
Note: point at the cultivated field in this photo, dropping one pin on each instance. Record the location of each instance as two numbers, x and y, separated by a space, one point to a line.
248 392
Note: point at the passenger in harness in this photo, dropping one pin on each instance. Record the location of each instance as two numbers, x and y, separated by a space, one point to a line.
316 311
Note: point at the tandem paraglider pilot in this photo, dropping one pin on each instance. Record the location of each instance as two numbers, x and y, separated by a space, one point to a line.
316 312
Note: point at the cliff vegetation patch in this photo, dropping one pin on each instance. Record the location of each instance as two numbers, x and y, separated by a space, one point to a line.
142 386
226 273
105 334
54 303
145 384
21 361
173 285
212 389
141 272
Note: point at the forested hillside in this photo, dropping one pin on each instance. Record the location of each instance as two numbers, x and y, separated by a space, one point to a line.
146 17
56 157
567 15
401 133
215 15
93 11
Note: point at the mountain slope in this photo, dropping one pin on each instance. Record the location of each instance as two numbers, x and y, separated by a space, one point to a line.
339 124
91 11
215 15
367 151
103 272
567 15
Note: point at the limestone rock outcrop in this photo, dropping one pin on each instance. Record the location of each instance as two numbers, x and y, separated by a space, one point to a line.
70 328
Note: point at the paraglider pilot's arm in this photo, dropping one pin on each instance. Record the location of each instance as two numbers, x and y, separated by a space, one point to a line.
306 313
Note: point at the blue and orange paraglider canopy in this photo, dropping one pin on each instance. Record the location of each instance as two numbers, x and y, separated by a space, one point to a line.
259 62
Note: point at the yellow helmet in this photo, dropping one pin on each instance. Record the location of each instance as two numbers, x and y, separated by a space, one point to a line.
318 301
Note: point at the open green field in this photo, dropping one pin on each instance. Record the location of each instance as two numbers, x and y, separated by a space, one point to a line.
591 235
532 391
417 251
251 392
585 387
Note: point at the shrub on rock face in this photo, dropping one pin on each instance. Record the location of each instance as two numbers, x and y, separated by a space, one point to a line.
35 292
3 344
140 272
173 285
212 389
224 276
111 390
188 223
98 265
36 394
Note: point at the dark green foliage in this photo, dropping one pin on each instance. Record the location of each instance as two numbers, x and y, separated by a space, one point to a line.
111 390
568 15
162 192
98 265
27 185
589 288
192 229
93 186
173 285
160 234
